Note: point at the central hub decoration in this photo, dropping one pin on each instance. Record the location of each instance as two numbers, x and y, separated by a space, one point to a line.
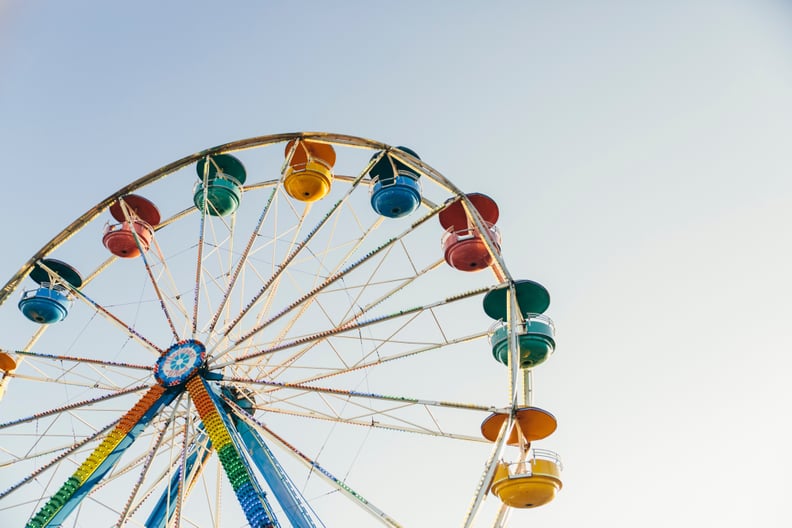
180 362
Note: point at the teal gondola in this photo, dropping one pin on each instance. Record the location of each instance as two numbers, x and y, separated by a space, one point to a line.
224 176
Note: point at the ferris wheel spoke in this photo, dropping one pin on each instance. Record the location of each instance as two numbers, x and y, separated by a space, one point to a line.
176 298
308 295
201 236
75 371
149 459
313 465
270 284
291 254
382 360
197 456
329 281
102 459
401 285
77 359
40 331
106 313
295 251
119 472
127 328
310 413
164 508
313 299
34 452
180 478
368 395
67 451
159 295
129 217
386 359
349 316
91 375
242 261
207 208
342 261
76 405
88 384
348 327
379 418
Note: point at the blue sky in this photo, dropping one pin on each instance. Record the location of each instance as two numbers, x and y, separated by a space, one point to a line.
638 152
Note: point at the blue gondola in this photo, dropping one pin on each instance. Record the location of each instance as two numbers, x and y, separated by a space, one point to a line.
51 301
395 190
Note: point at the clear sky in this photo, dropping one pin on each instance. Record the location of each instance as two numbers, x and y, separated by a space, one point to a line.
638 151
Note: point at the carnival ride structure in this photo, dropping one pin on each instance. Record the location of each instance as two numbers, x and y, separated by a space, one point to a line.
248 315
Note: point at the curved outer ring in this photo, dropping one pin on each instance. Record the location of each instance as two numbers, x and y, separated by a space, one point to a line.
233 146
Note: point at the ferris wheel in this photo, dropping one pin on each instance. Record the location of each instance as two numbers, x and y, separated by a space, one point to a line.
286 330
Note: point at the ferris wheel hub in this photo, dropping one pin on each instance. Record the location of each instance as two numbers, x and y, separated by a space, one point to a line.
180 362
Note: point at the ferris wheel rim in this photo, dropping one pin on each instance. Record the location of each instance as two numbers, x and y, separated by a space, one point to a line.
230 147
233 146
